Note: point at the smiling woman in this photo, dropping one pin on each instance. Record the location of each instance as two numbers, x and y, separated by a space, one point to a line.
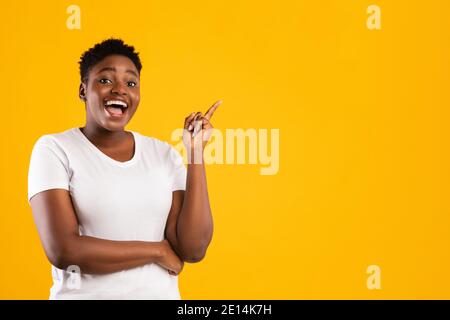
118 205
110 73
106 83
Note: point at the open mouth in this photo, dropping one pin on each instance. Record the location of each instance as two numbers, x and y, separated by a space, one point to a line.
116 108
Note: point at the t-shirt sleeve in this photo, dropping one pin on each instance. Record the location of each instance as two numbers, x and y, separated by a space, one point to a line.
48 167
178 170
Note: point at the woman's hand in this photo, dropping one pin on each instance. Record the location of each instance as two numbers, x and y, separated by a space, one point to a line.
169 259
198 128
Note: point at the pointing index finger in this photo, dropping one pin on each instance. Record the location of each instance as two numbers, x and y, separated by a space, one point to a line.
213 108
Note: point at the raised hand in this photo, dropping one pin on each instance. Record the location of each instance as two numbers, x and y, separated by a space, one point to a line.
198 128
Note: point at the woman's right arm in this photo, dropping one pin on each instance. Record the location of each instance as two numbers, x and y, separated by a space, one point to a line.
57 225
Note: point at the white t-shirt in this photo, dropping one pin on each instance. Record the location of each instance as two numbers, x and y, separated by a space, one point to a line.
113 200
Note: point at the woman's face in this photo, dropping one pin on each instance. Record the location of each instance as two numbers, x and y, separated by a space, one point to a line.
111 93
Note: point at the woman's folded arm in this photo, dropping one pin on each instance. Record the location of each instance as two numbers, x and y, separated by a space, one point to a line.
57 225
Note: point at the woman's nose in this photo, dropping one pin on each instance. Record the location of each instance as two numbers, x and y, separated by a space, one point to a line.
119 88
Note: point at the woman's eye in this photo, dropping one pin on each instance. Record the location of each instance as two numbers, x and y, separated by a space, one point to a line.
105 81
131 84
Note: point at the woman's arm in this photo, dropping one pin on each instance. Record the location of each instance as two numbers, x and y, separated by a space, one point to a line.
57 225
190 223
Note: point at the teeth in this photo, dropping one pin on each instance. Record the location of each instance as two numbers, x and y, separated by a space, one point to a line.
110 102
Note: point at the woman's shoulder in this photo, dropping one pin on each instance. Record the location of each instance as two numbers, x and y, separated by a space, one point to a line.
153 142
158 146
58 139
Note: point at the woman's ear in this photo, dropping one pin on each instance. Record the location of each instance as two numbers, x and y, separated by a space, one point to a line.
82 91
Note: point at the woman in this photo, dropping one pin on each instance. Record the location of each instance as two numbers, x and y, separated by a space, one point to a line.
118 206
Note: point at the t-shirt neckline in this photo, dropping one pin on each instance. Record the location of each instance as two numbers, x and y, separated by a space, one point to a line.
108 158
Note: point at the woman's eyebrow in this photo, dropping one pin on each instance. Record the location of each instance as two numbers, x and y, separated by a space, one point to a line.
114 70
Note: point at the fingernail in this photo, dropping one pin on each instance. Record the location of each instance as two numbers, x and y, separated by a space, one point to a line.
190 127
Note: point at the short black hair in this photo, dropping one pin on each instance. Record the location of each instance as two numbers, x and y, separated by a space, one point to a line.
103 49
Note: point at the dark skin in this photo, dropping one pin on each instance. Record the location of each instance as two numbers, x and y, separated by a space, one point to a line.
189 225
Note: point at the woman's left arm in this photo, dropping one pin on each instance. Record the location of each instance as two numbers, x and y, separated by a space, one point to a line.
190 225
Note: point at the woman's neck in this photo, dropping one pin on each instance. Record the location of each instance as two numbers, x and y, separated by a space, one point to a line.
102 137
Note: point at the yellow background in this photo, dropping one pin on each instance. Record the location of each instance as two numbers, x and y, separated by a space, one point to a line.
364 135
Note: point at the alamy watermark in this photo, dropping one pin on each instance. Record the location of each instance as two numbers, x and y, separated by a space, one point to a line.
74 277
373 281
373 21
235 146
